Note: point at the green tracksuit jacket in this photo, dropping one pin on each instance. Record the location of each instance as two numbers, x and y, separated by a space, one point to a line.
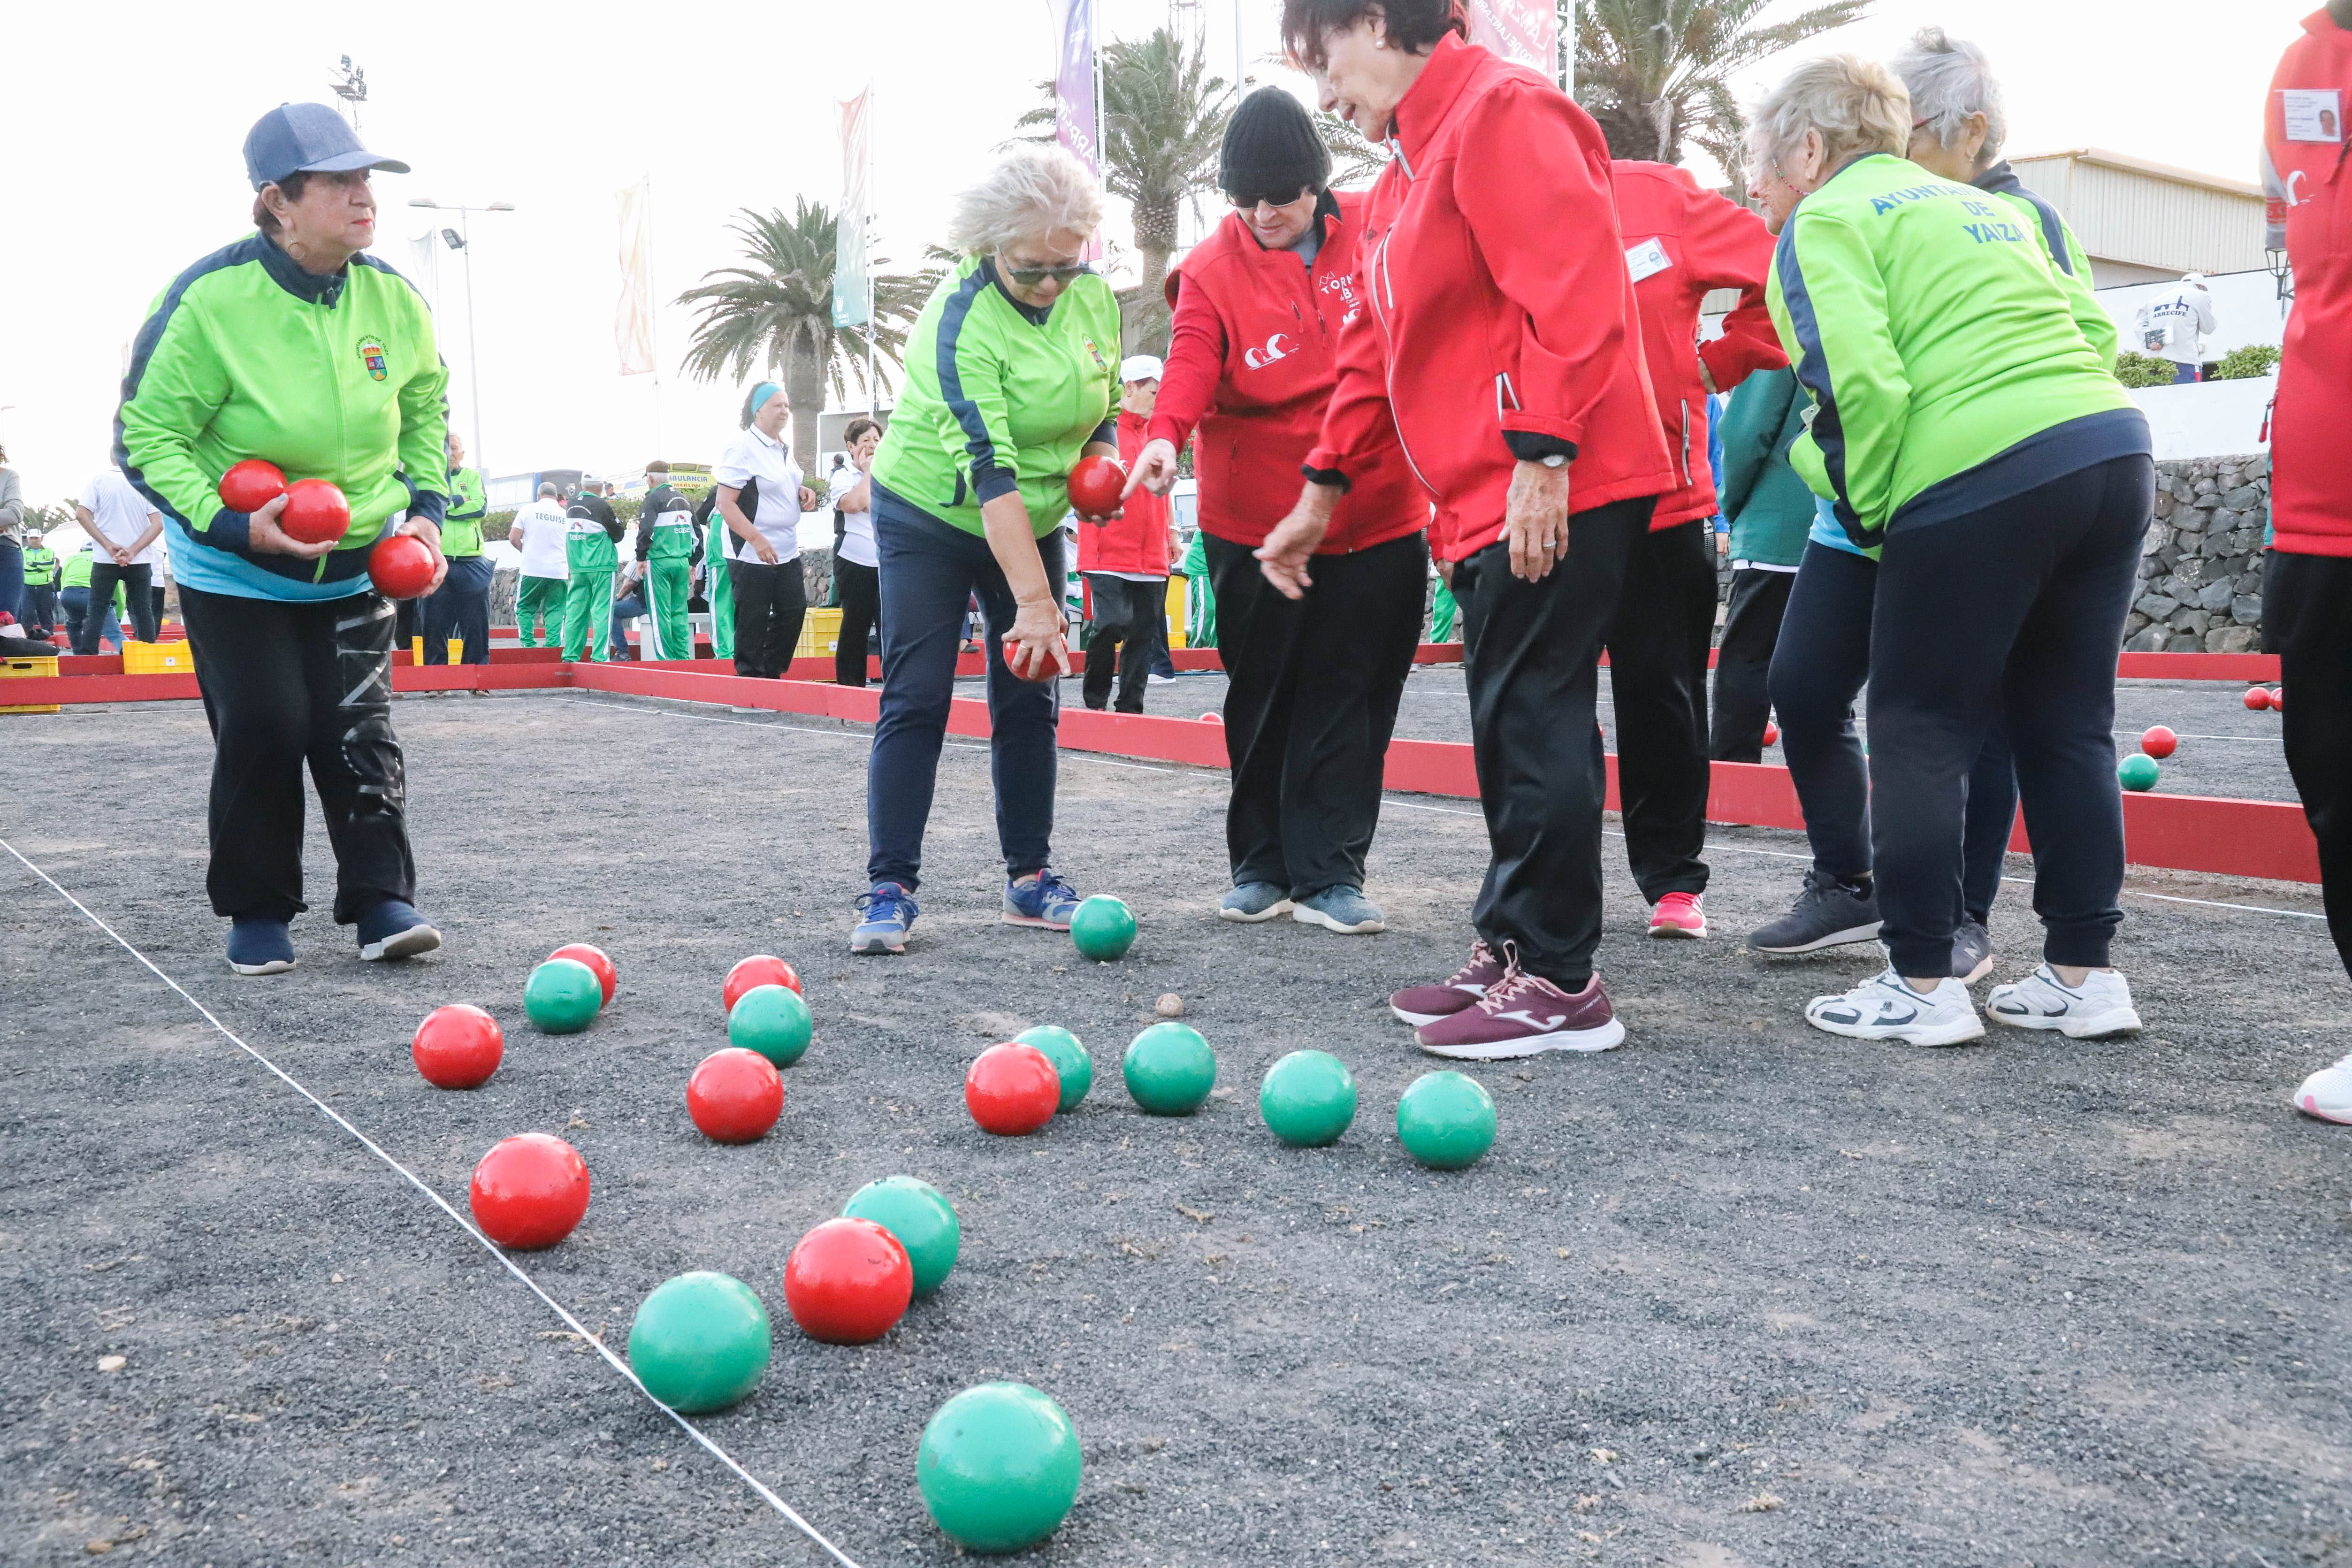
1945 365
999 395
2065 253
666 551
1769 507
247 355
461 526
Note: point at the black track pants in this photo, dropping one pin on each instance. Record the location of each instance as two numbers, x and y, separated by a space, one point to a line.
771 602
1130 630
1657 678
1752 628
2307 613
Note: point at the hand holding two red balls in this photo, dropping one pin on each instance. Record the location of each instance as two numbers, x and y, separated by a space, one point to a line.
309 517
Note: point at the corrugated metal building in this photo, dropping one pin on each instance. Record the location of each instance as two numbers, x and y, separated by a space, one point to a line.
2144 222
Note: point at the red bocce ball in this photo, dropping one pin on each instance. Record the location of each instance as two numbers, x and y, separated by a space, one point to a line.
2159 741
607 978
400 566
2257 698
1771 734
1012 1089
2278 699
1096 485
529 1191
316 511
251 484
848 1281
458 1046
735 1096
760 969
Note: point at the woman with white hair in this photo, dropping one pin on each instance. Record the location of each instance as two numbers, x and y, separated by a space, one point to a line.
1010 381
1965 429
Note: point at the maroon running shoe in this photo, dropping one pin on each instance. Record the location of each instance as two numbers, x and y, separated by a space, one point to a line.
1522 1015
1422 1005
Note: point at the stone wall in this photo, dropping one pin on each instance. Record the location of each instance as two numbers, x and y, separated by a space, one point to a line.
2200 570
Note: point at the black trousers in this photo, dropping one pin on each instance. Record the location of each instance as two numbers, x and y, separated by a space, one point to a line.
861 611
460 608
1743 664
1531 661
2013 612
2307 610
286 684
1657 676
771 602
1130 627
138 602
40 608
407 623
1312 687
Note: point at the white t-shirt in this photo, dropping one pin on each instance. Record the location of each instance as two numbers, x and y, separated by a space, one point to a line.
856 527
755 458
121 514
2171 327
543 529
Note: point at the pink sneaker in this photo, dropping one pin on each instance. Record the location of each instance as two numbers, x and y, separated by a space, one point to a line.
1522 1015
1427 1004
1678 914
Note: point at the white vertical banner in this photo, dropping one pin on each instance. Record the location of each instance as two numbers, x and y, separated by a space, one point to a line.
851 307
424 267
632 324
1526 31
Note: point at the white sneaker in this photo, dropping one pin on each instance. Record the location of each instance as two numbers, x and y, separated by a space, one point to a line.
2328 1093
2102 1005
1886 1008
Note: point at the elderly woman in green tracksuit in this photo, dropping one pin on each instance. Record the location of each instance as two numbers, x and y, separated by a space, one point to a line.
293 346
1966 427
1011 379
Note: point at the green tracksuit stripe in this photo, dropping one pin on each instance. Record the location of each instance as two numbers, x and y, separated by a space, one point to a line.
721 594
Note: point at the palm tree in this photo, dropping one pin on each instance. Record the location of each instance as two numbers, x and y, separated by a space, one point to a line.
1163 125
776 315
1654 72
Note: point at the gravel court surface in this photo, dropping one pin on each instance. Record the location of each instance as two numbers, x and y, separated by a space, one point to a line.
1740 1293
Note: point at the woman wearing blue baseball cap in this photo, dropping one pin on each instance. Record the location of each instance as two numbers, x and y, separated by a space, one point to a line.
293 346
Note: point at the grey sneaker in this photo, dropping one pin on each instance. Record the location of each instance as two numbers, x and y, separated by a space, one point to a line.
1342 908
1971 951
1827 915
1254 901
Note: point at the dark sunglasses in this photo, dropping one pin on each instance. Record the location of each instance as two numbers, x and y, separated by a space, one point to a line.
1030 276
1245 200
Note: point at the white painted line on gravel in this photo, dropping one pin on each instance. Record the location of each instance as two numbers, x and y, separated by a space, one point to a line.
574 1324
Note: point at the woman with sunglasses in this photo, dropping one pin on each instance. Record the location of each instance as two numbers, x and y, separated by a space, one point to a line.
1313 683
1010 381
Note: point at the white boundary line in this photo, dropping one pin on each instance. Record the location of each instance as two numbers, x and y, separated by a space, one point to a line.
1390 799
574 1324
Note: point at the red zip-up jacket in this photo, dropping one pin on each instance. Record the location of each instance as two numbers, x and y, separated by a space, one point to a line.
1136 539
1499 302
2311 481
1251 363
1681 242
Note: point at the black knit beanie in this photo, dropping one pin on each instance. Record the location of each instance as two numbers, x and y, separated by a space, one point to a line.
1271 146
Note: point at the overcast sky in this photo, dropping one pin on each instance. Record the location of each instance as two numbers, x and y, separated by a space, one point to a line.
122 164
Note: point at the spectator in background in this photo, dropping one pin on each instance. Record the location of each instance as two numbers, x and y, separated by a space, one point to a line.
1770 511
591 537
1127 560
2174 326
40 612
856 579
73 597
760 499
665 554
12 538
124 527
539 530
461 607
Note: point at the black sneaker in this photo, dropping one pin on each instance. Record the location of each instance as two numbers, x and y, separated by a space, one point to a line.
1828 913
1971 951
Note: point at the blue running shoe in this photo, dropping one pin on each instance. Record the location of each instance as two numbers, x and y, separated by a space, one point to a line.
1043 899
395 929
890 911
260 946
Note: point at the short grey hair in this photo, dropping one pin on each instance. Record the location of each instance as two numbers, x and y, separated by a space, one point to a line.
1037 190
1948 81
547 490
1858 106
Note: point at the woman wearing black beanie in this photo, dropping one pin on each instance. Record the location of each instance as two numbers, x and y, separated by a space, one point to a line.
1313 682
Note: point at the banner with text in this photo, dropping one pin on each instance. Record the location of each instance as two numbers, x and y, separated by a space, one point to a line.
1077 116
1526 31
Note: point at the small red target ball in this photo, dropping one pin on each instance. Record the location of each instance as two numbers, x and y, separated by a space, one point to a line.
848 1281
1095 486
2159 741
2257 698
1012 1089
735 1096
1771 734
608 979
458 1046
760 969
529 1191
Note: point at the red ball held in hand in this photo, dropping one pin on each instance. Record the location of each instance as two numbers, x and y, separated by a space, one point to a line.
251 484
400 567
316 512
1096 485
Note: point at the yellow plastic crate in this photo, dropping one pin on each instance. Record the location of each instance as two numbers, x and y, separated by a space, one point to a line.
28 666
157 658
819 633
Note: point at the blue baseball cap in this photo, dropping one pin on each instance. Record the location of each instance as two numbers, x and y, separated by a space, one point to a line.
306 138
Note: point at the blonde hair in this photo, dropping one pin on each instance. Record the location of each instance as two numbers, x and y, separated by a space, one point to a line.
1858 106
1036 191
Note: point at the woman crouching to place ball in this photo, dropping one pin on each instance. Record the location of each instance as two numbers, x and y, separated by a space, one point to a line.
292 346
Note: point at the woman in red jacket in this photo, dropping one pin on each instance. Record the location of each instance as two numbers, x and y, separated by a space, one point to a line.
1313 682
1501 338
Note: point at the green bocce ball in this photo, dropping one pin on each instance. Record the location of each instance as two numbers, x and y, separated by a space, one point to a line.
563 996
1103 927
1170 1069
1308 1099
773 1021
921 1218
999 1466
1076 1069
700 1342
2138 771
1446 1120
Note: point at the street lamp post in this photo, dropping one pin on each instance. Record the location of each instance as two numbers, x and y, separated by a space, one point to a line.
462 242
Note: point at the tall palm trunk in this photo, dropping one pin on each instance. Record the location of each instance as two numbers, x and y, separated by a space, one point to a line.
804 391
1155 240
